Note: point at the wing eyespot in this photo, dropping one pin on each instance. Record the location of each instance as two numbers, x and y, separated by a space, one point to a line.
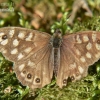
29 76
37 80
65 81
72 78
24 72
98 41
4 37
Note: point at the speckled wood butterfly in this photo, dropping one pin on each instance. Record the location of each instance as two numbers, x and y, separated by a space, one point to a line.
37 55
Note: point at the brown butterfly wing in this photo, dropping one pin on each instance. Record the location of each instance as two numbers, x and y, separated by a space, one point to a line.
31 53
78 51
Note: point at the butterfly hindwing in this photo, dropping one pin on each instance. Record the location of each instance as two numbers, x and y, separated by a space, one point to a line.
36 74
78 51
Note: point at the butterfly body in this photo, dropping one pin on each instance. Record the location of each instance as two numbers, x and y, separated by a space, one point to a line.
57 40
36 55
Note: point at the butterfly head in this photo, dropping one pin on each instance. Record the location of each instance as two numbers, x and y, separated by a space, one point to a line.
57 37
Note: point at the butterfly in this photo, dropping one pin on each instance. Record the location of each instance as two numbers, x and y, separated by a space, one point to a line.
38 55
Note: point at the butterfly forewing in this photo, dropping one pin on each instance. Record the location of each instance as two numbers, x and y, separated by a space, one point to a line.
78 51
21 41
31 53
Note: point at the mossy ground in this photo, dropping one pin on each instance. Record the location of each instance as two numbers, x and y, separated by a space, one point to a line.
47 15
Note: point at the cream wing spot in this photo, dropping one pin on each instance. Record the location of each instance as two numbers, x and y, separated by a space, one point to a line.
27 50
81 70
14 51
31 63
78 52
20 56
89 46
78 39
4 42
72 66
85 38
11 33
21 67
97 46
15 42
29 37
3 50
94 37
22 74
82 59
21 35
44 73
88 55
1 34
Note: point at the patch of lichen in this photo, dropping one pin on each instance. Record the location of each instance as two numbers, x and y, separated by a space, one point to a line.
23 15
